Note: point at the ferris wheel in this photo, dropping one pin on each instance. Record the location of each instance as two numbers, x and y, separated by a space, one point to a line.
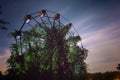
47 39
43 20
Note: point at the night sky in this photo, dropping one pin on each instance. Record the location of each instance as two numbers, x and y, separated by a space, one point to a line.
97 21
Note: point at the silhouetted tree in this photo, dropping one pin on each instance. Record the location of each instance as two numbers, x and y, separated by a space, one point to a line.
2 22
0 75
118 67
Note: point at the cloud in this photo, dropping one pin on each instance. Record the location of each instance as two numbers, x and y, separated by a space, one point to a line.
103 45
3 59
100 35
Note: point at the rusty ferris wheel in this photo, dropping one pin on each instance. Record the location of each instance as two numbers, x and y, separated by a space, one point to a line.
46 35
45 19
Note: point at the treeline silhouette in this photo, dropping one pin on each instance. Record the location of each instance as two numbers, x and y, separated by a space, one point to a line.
109 75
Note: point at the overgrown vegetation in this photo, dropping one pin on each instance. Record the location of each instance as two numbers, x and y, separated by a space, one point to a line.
47 54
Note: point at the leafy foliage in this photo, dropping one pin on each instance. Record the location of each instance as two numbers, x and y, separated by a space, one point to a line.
47 52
